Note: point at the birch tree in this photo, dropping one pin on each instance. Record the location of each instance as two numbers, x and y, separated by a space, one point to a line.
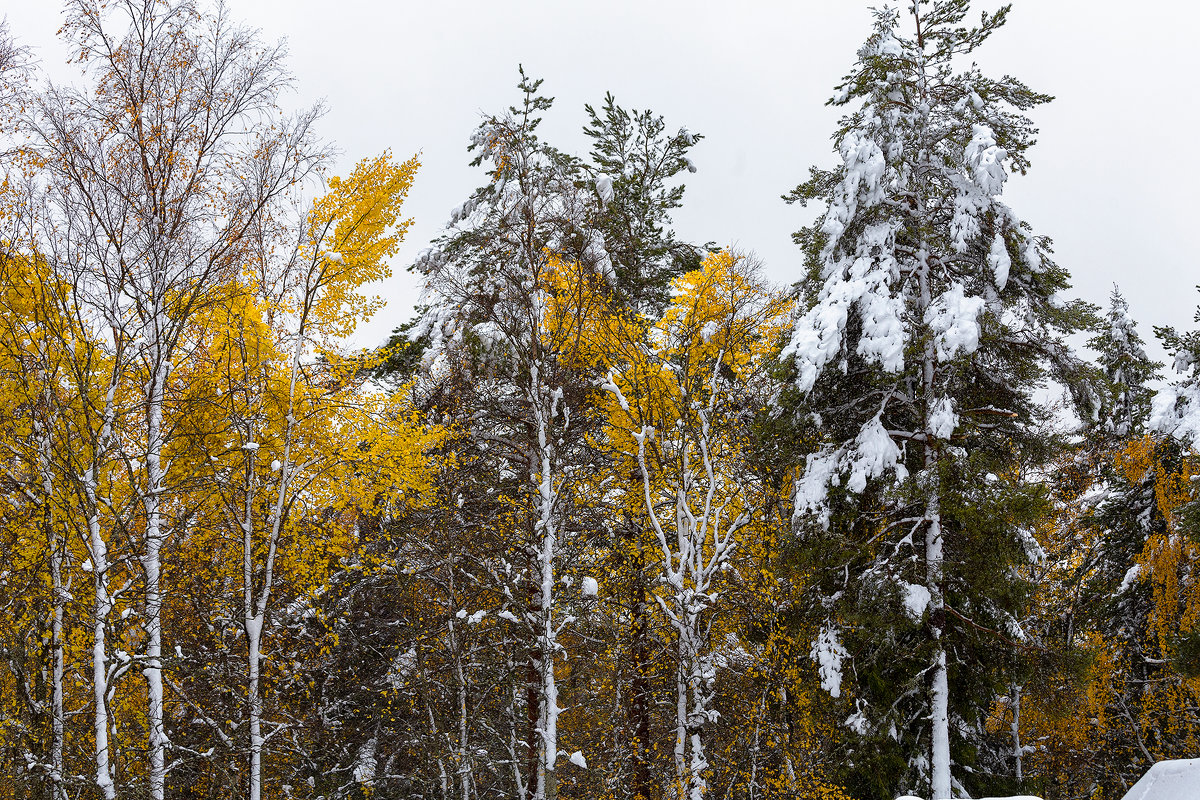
295 427
681 393
165 163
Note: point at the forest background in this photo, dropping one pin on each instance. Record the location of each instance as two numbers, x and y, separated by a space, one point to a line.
612 514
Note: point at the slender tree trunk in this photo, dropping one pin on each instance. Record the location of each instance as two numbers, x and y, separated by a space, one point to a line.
940 690
464 752
696 688
940 777
513 737
254 703
56 623
533 693
152 567
681 770
940 685
56 644
252 623
98 552
547 787
255 607
543 406
1015 695
639 695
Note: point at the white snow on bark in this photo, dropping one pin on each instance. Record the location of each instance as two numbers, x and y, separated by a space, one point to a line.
828 653
916 600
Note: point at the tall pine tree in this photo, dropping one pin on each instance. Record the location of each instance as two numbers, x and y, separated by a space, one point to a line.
931 325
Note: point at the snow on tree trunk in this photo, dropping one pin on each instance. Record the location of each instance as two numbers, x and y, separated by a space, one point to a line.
940 684
543 407
694 550
254 606
60 594
1015 728
152 567
252 624
486 285
98 554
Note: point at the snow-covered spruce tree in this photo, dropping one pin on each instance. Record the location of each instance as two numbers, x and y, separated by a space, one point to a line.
1088 615
1176 408
1120 513
493 355
1128 371
1176 412
931 325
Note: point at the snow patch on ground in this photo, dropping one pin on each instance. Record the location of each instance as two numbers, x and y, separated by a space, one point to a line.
1168 780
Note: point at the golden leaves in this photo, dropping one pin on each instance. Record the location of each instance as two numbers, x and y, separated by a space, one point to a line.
352 231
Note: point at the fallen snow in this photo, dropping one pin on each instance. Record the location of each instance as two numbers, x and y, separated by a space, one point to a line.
589 587
578 760
1168 780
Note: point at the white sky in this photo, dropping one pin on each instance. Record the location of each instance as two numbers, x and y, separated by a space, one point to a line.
1110 183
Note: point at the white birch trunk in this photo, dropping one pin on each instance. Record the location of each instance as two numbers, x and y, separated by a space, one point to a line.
545 529
252 625
692 559
254 703
254 608
56 623
98 553
152 567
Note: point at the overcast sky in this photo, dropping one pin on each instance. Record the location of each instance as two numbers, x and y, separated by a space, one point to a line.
1113 179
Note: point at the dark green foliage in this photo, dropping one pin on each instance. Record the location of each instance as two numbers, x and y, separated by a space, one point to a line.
634 156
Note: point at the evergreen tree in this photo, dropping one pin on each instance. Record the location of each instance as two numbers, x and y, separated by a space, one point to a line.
1176 410
635 165
1122 513
1089 614
1127 369
634 161
487 285
931 325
